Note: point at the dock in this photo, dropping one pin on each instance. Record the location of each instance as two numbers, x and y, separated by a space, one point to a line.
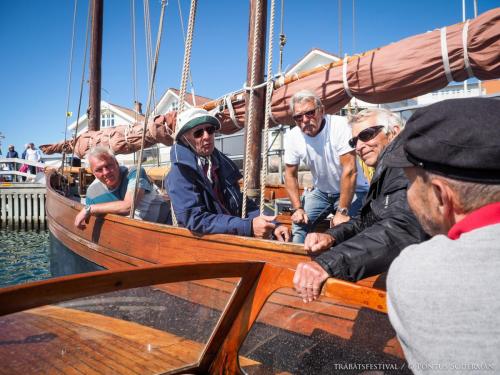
22 203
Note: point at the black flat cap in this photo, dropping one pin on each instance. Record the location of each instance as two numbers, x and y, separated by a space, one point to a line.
456 138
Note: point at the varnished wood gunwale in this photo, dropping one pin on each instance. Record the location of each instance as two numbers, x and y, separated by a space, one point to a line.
114 242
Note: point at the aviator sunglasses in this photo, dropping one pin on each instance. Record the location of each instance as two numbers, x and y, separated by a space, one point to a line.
199 133
366 135
308 114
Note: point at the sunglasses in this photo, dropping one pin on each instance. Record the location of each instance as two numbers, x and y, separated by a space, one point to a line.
366 135
199 133
308 114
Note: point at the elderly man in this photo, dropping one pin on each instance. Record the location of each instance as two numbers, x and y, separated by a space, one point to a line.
321 142
442 295
367 244
203 183
112 191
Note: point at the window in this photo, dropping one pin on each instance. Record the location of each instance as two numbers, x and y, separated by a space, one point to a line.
107 119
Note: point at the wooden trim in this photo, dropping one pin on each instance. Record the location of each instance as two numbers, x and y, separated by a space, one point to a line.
18 298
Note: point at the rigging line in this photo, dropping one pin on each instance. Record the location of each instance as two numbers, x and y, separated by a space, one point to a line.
269 93
150 95
70 73
147 36
282 38
353 28
248 133
83 78
134 58
184 38
187 55
340 27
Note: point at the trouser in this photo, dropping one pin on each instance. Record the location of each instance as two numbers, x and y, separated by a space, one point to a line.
318 205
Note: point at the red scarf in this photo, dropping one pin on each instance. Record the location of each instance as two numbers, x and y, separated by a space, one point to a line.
482 217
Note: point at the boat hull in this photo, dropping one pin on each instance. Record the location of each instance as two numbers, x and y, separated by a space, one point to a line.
114 242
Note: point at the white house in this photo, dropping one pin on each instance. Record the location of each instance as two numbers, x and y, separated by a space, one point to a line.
111 115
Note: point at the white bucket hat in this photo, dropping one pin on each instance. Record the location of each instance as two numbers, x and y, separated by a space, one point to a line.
193 117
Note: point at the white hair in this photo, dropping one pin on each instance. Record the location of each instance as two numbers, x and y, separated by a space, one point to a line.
384 117
304 96
98 152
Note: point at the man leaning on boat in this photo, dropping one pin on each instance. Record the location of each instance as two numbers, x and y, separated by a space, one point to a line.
203 184
112 191
367 244
320 140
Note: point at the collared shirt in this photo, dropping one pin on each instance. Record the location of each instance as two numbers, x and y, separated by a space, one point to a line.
482 217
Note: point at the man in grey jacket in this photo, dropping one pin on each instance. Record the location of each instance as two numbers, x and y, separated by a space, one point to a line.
443 298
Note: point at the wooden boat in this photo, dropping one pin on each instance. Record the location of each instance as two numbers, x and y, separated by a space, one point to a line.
245 282
348 318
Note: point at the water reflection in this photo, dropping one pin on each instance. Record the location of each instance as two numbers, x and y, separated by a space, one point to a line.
24 256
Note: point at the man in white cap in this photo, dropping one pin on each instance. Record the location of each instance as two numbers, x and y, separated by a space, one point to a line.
203 184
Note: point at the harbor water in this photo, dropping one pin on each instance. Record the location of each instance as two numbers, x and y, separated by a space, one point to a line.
24 256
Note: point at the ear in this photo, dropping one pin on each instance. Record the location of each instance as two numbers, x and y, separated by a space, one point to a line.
394 132
445 197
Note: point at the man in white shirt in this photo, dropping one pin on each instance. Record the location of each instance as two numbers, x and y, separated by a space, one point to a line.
321 141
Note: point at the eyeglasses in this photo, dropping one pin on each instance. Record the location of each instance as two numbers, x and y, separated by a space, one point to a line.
308 114
199 133
366 135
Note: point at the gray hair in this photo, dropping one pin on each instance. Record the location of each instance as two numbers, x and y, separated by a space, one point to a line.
304 96
383 116
99 151
471 195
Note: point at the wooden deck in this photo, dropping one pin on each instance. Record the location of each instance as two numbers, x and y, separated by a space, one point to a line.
57 340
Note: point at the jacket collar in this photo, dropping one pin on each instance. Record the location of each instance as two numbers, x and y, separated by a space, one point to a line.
182 154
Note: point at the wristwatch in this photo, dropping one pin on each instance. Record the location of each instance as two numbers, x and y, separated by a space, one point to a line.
343 211
88 208
295 209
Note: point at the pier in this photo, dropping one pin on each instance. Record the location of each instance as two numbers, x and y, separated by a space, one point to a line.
22 203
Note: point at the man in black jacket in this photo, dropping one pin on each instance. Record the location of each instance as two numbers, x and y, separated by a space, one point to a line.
367 244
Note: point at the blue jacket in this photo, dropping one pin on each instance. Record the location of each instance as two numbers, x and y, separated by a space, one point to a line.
194 201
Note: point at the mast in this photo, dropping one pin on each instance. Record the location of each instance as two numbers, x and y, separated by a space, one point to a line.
94 110
255 123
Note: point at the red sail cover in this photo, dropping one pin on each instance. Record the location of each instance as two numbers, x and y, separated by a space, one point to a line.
406 69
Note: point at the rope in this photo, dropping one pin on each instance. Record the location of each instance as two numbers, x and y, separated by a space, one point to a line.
69 82
444 55
150 96
134 63
282 37
249 137
344 76
269 94
232 115
185 72
465 32
187 55
82 81
193 96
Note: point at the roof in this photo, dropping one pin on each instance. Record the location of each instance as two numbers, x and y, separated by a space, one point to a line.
128 112
309 54
200 100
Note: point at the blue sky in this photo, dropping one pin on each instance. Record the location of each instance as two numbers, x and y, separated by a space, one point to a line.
36 37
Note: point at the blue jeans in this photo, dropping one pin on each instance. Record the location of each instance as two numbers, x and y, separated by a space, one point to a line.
319 205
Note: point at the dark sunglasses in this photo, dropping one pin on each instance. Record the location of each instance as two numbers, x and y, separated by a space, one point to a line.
308 114
199 133
366 135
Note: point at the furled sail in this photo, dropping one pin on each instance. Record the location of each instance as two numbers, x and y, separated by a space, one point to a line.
121 139
406 69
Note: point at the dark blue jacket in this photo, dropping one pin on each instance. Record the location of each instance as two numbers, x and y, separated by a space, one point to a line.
194 201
